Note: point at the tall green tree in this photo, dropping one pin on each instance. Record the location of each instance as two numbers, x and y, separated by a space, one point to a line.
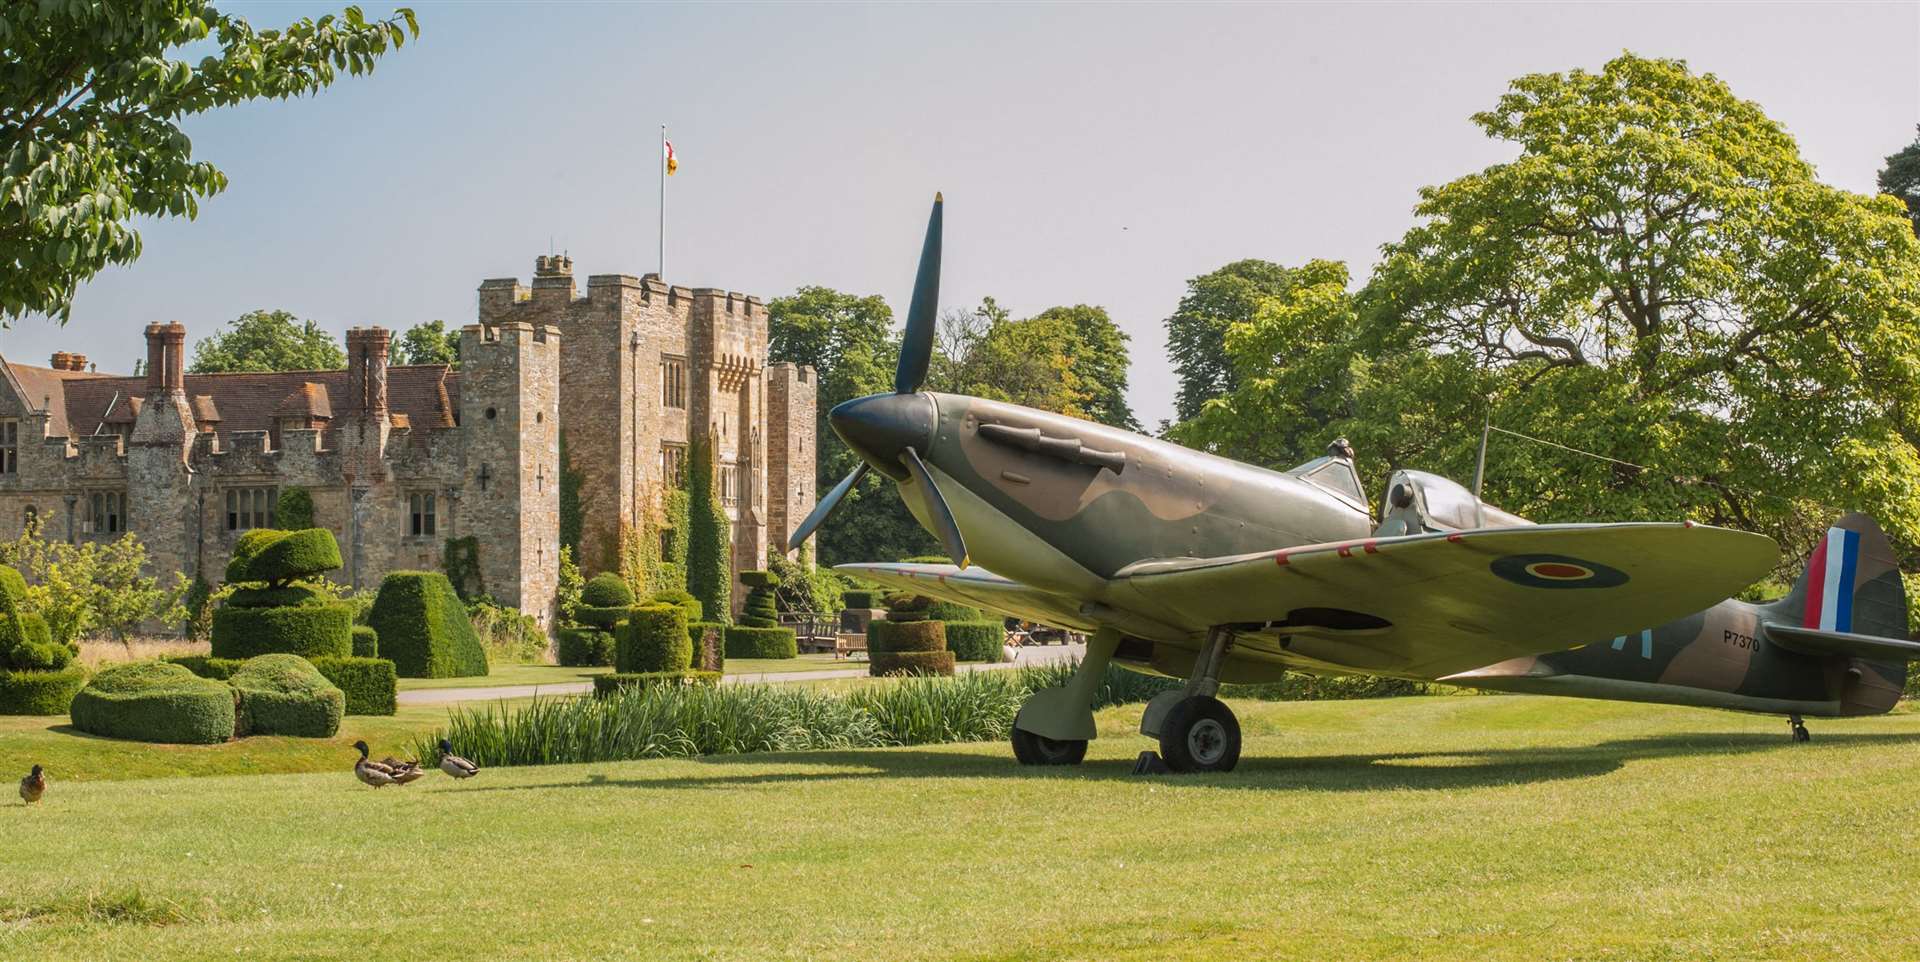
429 342
848 339
1901 178
1196 333
267 341
709 543
1072 360
92 96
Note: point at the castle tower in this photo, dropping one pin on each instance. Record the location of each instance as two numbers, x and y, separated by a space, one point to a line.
361 436
158 472
509 498
792 393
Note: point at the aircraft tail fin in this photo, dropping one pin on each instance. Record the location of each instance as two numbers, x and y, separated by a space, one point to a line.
1851 584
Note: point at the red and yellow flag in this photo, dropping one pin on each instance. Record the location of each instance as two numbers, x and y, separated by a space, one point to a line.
672 163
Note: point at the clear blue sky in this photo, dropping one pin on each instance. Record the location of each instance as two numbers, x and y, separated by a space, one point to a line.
1092 154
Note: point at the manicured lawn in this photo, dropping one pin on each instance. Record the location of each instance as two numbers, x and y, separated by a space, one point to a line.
1497 828
508 675
74 756
756 666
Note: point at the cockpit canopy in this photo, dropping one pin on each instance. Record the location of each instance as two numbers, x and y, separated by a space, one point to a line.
1418 502
1336 475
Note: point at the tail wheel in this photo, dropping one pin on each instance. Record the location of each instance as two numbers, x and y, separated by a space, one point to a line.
1200 734
1033 749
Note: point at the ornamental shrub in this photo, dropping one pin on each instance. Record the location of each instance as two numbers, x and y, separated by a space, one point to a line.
218 669
584 647
424 629
370 685
279 557
310 631
709 546
39 692
759 610
293 510
602 618
366 642
906 636
153 701
678 596
606 590
885 663
906 606
277 597
606 685
653 639
709 645
860 598
976 640
286 695
26 644
948 611
745 641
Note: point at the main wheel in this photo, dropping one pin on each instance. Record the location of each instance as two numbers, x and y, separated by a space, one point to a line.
1200 734
1800 734
1033 749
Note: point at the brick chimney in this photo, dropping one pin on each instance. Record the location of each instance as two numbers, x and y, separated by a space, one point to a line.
60 361
76 362
166 365
367 349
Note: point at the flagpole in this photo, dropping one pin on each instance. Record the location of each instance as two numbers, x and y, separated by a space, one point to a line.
663 203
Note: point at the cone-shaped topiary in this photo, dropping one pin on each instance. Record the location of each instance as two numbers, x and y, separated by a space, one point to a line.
759 610
424 629
286 695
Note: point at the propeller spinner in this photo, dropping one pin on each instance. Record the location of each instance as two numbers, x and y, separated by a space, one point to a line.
889 431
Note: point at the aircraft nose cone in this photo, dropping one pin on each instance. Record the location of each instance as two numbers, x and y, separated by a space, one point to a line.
879 426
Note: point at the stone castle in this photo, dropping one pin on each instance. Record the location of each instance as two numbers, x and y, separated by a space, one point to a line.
401 458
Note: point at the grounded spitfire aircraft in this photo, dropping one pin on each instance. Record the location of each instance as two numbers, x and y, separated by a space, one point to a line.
1190 565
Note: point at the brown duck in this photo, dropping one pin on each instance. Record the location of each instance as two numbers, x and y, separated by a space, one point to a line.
389 771
33 786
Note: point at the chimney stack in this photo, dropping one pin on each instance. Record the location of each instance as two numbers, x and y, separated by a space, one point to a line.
367 349
156 359
60 361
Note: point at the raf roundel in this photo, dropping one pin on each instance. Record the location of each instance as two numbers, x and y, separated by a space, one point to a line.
1557 571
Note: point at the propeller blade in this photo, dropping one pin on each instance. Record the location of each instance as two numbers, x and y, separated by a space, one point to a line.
942 515
820 511
916 345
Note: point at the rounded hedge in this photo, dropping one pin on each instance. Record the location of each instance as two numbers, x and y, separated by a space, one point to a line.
748 642
286 695
906 606
265 554
154 701
948 611
370 684
606 590
685 599
976 640
424 629
653 639
366 642
40 692
584 647
293 510
906 636
604 619
311 631
883 663
276 597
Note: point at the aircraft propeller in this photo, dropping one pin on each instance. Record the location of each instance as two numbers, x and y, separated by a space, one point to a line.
878 422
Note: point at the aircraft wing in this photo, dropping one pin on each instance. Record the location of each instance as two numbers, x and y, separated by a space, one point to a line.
1813 641
1429 605
978 587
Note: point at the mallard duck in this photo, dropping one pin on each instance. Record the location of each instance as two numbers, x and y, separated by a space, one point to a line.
403 772
33 786
455 765
378 774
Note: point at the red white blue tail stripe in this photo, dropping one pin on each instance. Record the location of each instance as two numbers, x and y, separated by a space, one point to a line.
1830 581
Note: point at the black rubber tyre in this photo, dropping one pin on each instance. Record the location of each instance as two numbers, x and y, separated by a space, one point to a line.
1800 734
1033 749
1200 735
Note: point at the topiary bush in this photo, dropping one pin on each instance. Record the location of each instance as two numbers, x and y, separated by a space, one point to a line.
709 645
40 692
709 544
745 641
606 685
906 636
677 596
25 642
279 557
976 640
885 663
310 631
653 639
366 642
905 606
218 669
759 610
370 685
286 695
584 647
288 596
293 510
605 619
423 627
860 598
606 590
948 611
153 701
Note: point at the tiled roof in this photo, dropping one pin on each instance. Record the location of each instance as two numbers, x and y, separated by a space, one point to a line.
204 410
425 393
309 400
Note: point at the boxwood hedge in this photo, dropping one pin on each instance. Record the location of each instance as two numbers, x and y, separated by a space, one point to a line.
286 695
369 684
893 635
709 645
218 669
605 619
584 647
606 590
311 631
910 662
653 639
976 640
153 701
746 642
859 598
605 685
366 642
683 598
40 692
424 630
275 597
948 611
277 557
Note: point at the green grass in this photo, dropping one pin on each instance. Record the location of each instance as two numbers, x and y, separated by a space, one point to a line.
508 675
1495 828
813 662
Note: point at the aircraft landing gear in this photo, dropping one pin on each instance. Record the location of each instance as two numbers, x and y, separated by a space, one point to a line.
1032 749
1799 729
1055 724
1197 731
